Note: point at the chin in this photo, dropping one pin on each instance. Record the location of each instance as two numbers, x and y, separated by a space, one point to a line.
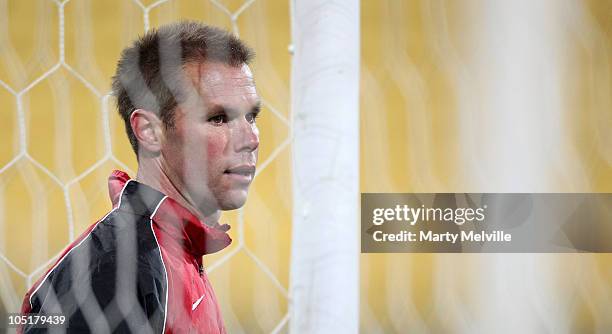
233 202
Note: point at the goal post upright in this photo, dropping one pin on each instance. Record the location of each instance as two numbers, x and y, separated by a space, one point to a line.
324 282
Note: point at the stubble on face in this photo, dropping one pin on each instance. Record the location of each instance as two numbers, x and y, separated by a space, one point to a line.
197 152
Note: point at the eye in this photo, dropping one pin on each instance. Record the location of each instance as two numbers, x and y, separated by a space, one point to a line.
252 117
218 120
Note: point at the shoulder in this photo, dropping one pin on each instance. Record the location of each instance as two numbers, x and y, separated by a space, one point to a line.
119 247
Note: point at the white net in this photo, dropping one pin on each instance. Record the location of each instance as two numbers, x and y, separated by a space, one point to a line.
37 177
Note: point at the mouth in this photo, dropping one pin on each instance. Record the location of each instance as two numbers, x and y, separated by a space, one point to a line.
241 173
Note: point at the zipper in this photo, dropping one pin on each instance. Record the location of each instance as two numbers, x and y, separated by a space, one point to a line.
200 266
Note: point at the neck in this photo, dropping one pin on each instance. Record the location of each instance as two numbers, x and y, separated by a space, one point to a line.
152 173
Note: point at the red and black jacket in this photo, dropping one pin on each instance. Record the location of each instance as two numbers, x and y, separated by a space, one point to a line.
138 269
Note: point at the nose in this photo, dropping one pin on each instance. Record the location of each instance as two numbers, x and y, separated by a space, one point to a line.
247 137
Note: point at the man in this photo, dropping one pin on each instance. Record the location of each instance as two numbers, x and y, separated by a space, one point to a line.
189 103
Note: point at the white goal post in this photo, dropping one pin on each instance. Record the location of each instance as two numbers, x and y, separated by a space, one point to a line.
324 287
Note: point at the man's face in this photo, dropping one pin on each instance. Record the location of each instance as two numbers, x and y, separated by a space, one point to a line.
211 151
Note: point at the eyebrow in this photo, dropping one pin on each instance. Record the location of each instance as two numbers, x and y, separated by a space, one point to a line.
257 107
219 108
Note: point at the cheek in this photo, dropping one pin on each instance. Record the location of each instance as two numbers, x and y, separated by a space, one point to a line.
194 150
215 147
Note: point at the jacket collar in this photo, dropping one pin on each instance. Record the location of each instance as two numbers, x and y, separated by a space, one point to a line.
168 215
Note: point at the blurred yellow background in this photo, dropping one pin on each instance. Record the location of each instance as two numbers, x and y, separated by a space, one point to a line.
61 137
424 91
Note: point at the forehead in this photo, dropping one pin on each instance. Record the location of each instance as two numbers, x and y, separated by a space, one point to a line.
216 81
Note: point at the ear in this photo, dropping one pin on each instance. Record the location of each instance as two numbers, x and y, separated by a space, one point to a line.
147 129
